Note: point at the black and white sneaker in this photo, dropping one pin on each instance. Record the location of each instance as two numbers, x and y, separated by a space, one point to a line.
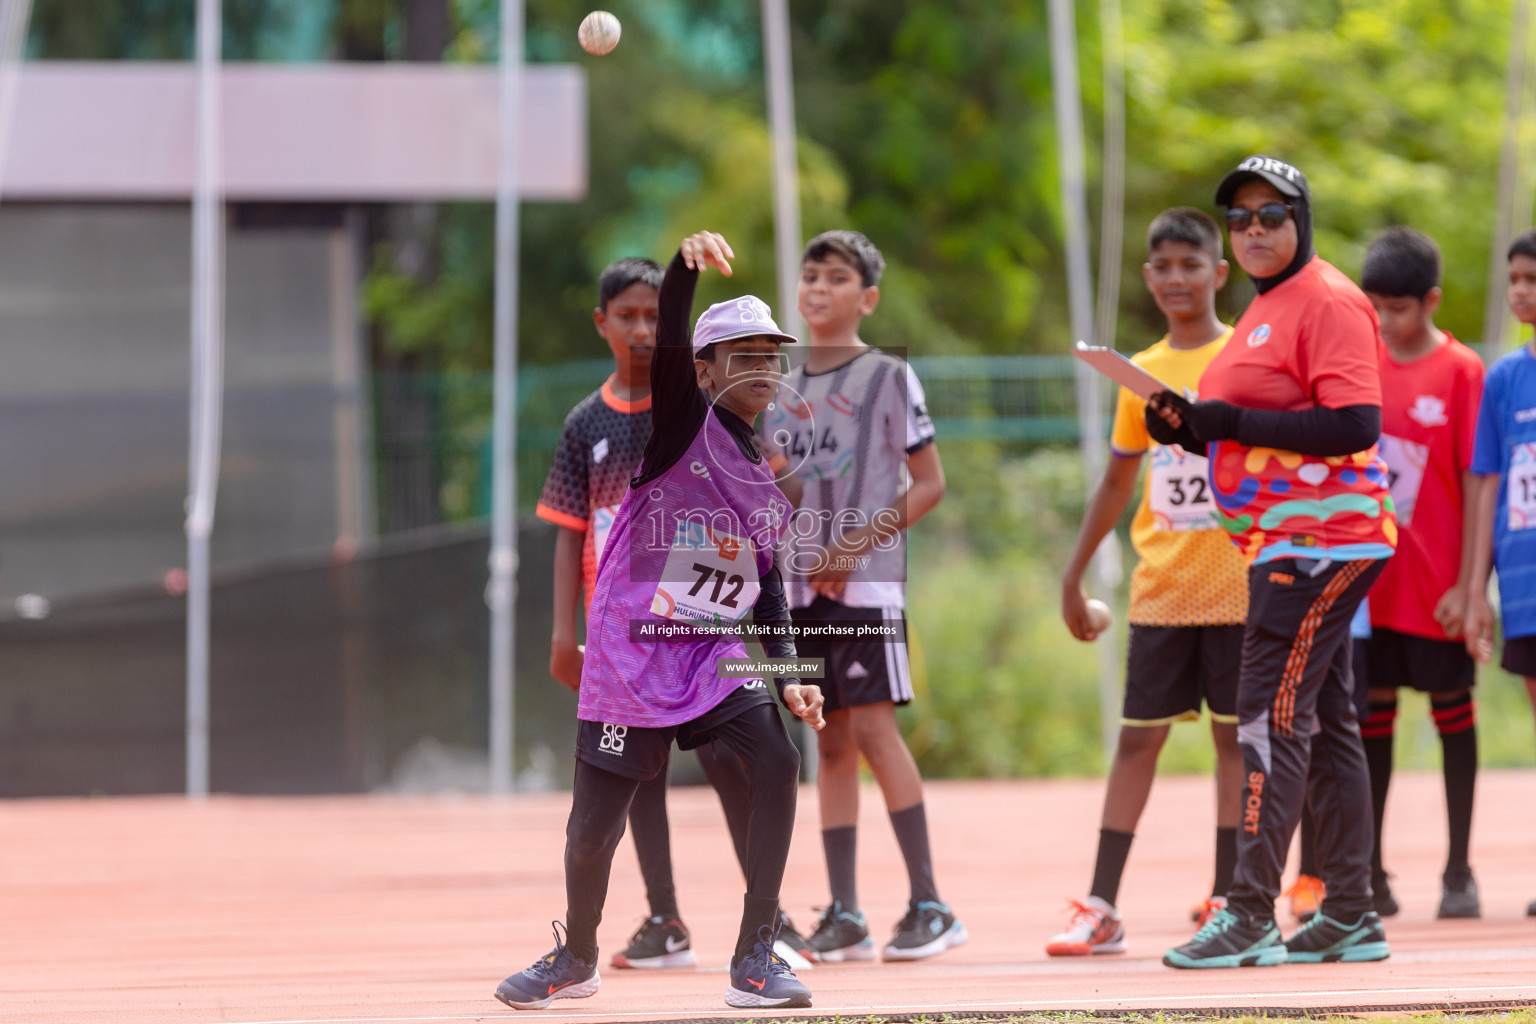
659 942
1324 940
842 935
792 947
1458 894
928 929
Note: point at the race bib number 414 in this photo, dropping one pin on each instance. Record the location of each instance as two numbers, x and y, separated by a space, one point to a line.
1522 487
1179 491
710 576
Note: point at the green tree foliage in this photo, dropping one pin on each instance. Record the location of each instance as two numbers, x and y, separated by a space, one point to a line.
928 125
1394 109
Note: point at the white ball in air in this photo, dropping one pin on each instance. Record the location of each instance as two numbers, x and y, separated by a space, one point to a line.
599 33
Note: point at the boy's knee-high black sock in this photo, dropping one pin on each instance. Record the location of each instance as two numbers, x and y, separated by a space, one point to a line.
911 827
1114 849
1456 721
1376 734
841 847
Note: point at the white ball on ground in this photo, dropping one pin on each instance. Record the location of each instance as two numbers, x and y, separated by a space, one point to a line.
599 33
1099 615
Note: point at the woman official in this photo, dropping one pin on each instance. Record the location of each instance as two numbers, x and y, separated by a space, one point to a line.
1288 416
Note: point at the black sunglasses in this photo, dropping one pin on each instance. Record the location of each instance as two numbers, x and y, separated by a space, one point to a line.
1271 215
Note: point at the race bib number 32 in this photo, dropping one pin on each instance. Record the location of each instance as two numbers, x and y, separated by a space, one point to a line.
1179 491
709 576
1522 487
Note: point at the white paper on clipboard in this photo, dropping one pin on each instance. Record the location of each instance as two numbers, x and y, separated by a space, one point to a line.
1121 370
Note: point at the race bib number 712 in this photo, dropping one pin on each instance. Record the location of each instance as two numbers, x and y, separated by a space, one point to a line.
709 576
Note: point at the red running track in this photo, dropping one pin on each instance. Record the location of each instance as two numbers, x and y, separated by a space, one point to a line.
392 909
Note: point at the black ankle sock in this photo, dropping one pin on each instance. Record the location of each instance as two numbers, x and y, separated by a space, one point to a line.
1226 860
1308 864
664 903
1114 849
911 827
841 847
756 912
1458 745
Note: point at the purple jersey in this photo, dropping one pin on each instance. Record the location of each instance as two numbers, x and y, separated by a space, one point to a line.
689 546
693 543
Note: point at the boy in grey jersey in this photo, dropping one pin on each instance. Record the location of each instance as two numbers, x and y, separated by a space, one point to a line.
861 467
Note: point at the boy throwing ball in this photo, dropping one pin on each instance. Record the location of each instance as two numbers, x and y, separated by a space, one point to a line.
691 550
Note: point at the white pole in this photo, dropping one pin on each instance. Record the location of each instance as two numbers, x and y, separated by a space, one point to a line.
1106 562
1074 206
787 238
1495 316
501 594
207 385
786 170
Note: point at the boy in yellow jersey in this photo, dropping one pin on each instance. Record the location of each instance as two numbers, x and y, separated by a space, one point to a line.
1189 590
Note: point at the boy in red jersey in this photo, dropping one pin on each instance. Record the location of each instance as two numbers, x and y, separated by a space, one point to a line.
1431 385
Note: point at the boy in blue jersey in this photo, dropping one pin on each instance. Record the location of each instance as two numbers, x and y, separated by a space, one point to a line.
1504 460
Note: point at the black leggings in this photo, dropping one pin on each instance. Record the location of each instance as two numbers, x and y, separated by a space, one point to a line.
600 804
649 828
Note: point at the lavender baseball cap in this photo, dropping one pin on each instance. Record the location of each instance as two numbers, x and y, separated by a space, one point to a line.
746 317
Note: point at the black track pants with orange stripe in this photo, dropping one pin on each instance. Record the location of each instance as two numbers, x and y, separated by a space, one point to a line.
1299 735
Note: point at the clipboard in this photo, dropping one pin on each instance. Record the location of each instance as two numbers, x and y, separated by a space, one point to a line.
1121 370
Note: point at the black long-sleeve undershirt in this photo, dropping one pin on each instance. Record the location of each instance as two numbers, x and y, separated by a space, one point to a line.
678 407
1319 432
771 609
679 410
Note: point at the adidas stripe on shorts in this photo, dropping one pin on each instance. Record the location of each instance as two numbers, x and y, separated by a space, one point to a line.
858 671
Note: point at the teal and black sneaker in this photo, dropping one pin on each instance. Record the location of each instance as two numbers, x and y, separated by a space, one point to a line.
1324 940
842 935
1228 941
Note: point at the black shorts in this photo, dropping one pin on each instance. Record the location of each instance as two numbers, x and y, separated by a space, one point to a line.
858 671
1417 662
1519 656
1170 669
641 752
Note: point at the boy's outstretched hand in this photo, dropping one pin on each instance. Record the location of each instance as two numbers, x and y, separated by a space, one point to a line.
804 700
707 249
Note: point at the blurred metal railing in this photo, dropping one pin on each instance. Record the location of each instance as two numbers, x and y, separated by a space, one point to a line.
432 430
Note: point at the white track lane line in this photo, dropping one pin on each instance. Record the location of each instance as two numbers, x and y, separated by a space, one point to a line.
1150 1003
